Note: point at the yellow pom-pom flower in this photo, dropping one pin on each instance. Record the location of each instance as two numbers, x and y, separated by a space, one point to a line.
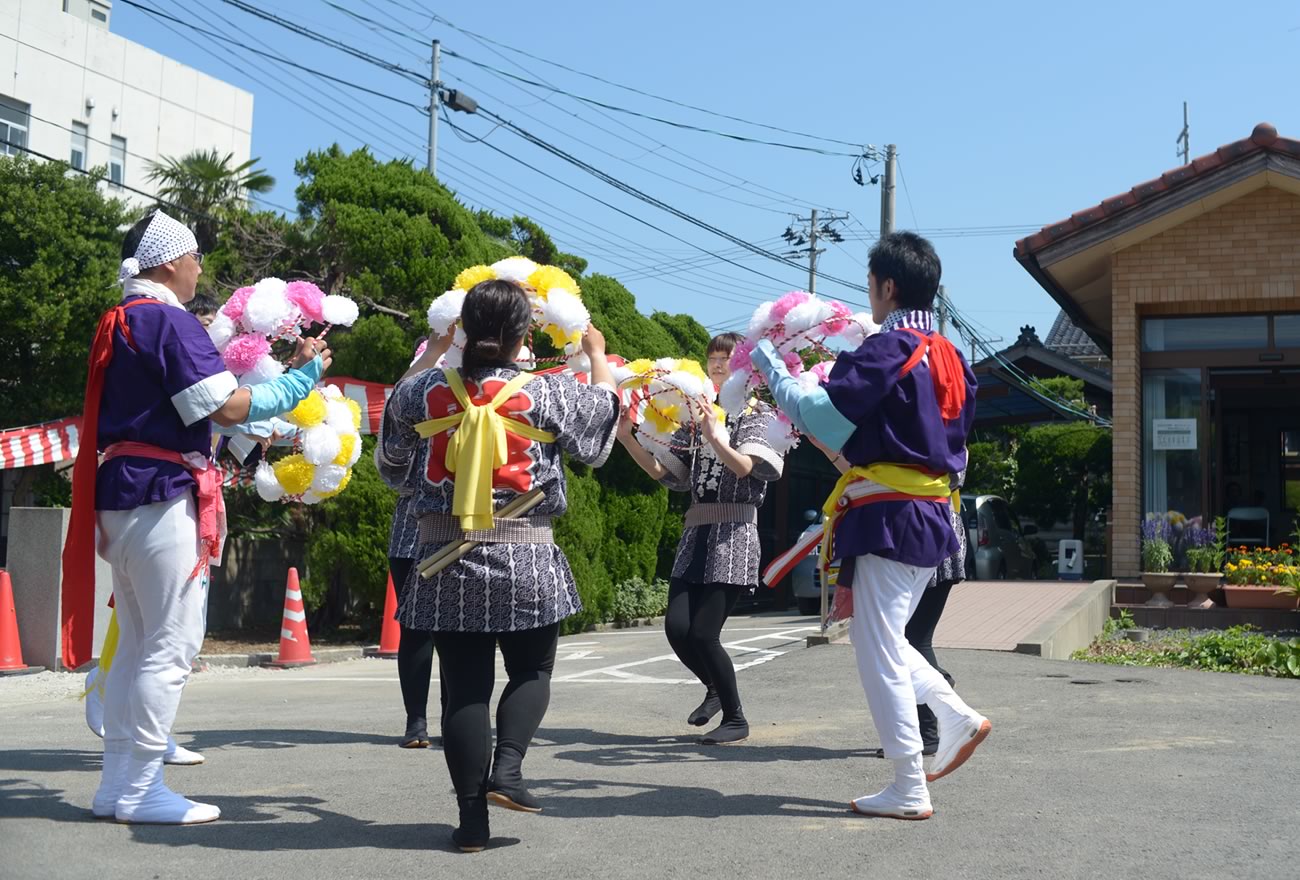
310 412
356 411
549 277
295 474
692 368
347 445
664 419
474 275
343 484
560 338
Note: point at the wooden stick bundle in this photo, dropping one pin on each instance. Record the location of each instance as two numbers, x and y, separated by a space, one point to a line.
450 553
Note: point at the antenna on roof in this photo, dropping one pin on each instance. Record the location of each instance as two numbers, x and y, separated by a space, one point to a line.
1184 141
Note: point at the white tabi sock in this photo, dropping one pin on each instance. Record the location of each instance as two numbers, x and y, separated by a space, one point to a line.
113 779
147 800
907 797
180 756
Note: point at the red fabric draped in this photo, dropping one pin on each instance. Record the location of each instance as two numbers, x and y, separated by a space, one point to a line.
78 605
946 371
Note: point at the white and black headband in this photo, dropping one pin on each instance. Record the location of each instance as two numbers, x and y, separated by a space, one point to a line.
164 240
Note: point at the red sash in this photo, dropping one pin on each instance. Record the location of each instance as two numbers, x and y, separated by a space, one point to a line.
945 371
78 605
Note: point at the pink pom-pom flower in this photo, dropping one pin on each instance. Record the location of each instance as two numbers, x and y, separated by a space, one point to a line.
234 307
793 362
782 306
838 324
244 351
741 357
822 371
307 297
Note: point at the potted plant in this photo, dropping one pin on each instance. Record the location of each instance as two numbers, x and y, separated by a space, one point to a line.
1204 561
1262 579
1157 557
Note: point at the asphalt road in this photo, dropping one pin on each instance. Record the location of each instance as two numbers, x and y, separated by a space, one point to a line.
1091 771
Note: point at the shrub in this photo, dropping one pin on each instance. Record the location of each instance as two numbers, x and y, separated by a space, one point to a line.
634 599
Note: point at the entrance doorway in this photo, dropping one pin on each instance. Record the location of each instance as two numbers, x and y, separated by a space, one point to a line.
1254 477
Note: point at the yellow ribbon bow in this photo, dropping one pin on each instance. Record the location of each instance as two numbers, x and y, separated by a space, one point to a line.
896 478
478 447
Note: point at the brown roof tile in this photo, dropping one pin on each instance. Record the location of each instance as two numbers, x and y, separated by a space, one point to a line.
1264 137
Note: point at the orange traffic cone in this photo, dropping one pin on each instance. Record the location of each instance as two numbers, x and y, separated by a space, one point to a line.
391 635
295 649
11 649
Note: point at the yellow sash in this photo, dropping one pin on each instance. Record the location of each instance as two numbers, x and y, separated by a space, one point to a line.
897 478
478 447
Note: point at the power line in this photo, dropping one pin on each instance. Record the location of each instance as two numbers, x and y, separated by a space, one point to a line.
418 78
650 200
633 89
686 126
907 192
276 58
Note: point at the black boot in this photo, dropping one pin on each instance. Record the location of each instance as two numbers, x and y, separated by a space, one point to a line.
506 787
733 729
473 833
704 712
417 734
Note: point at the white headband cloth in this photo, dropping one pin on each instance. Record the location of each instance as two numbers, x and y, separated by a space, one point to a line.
164 240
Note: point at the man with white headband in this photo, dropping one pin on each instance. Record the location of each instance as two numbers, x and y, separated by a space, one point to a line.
155 385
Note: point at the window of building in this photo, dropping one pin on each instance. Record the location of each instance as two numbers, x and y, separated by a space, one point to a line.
117 161
15 120
1205 334
1286 331
80 143
1171 437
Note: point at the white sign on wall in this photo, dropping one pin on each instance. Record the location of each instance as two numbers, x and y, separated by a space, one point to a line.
1170 434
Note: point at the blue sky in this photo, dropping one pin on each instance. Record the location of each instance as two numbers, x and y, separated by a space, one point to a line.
1007 116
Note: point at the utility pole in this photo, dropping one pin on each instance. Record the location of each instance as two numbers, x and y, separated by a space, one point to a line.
434 102
1184 139
818 226
812 253
887 192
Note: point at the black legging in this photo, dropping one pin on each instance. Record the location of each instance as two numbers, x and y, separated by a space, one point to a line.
920 635
696 613
414 657
468 662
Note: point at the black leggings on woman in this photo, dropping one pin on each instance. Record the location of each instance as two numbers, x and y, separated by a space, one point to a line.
414 659
920 635
468 664
696 613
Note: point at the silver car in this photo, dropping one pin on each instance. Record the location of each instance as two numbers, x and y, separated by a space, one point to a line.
997 547
805 579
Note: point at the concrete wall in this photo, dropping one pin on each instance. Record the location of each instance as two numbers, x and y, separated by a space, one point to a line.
36 537
57 62
1242 257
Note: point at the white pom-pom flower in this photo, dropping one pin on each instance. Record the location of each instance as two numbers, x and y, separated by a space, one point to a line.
328 478
860 326
579 362
515 269
445 311
805 316
338 416
565 311
268 487
734 394
330 392
339 310
761 321
221 330
689 385
781 435
265 369
321 444
268 310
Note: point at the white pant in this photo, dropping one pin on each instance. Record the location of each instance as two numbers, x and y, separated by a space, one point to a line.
894 674
162 616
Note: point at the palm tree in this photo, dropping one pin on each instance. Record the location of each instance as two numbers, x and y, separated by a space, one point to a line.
205 186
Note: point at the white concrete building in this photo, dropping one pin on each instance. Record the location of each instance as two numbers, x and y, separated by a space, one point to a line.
70 89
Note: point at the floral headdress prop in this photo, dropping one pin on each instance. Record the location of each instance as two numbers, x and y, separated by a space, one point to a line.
329 444
664 396
555 298
802 327
246 330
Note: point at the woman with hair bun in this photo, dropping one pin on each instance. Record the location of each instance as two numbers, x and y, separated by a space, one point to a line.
466 442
